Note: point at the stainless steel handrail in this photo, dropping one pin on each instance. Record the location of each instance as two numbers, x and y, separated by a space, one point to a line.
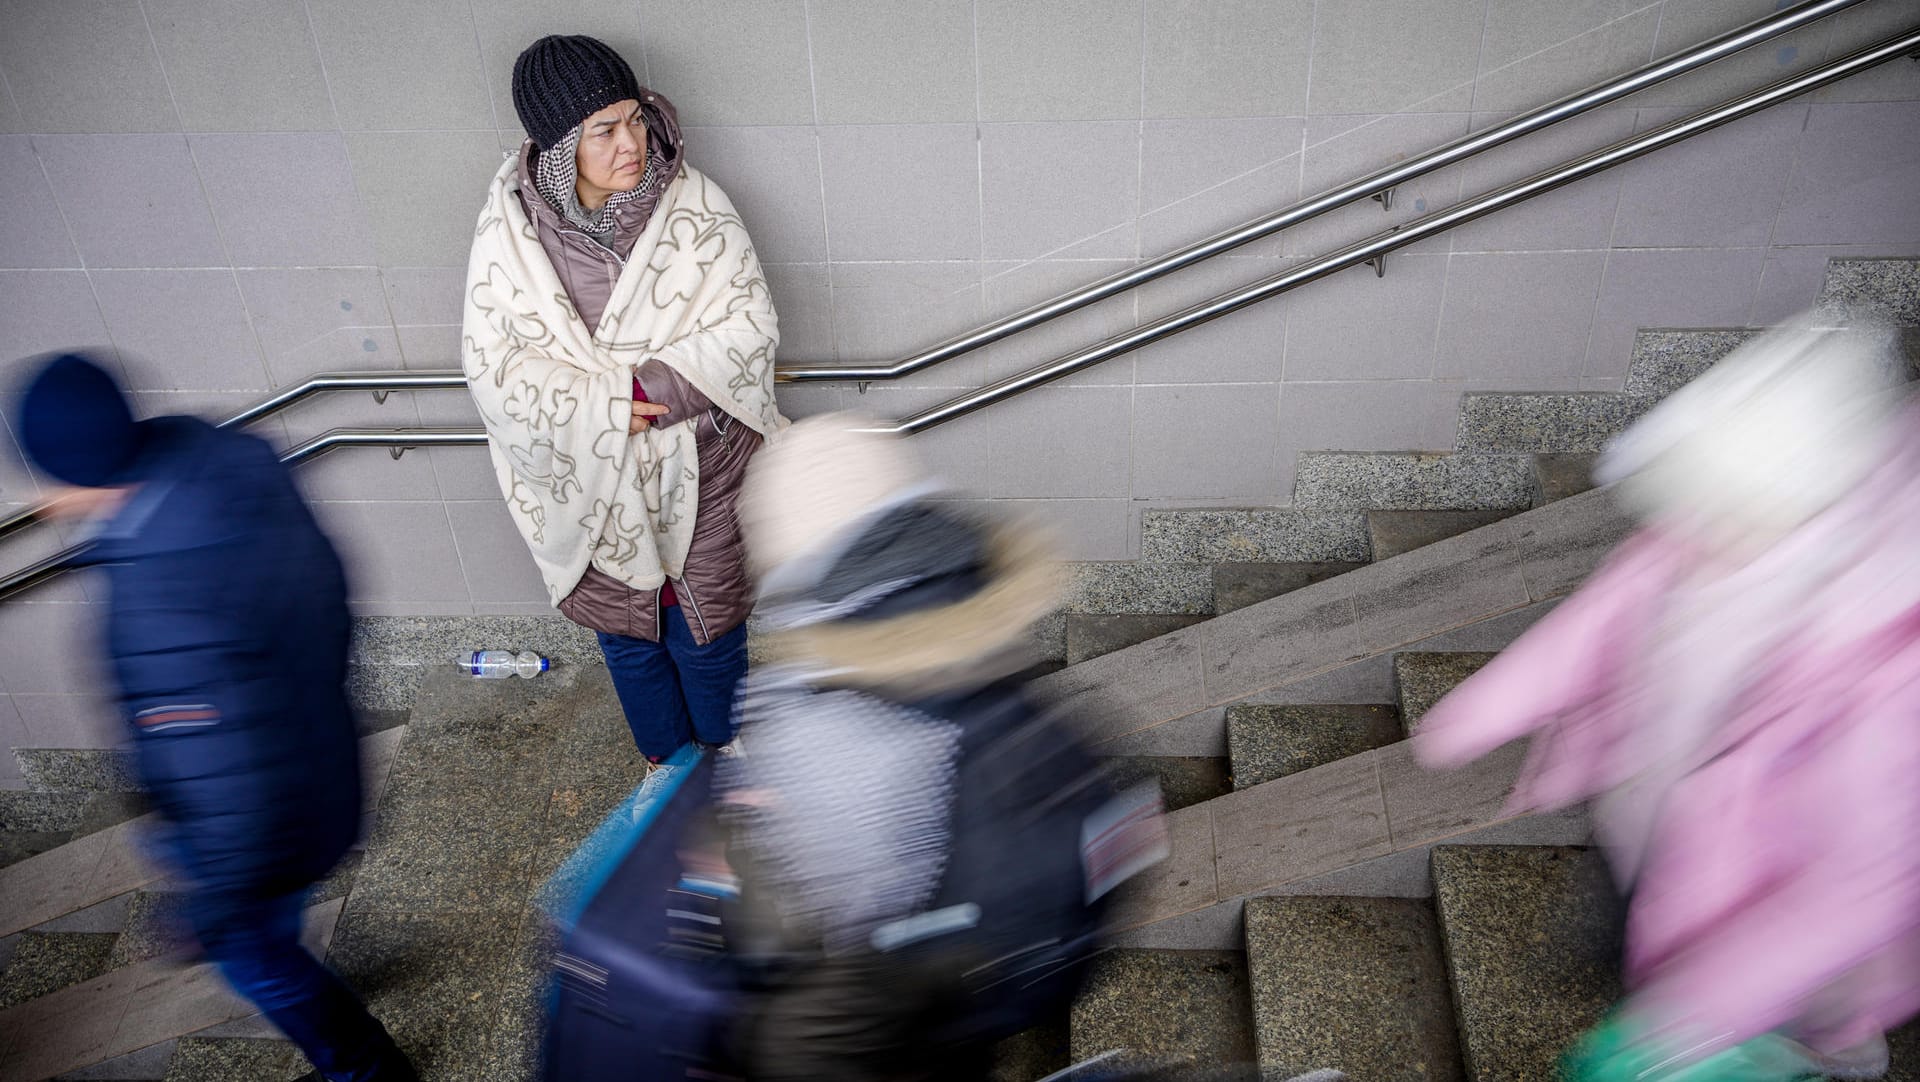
38 572
1905 43
1379 245
1706 52
399 439
1391 177
379 382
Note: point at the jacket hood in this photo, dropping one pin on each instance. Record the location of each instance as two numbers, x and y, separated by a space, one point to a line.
945 643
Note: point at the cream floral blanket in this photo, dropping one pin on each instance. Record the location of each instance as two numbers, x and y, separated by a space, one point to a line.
556 395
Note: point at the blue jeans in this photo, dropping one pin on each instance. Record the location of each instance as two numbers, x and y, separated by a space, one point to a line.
256 945
676 690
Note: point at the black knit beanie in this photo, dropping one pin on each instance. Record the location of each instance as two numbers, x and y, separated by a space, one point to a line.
562 80
74 423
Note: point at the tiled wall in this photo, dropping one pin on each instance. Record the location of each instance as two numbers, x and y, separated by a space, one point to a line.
233 194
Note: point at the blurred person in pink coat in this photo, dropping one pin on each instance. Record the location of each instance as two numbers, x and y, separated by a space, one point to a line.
1737 691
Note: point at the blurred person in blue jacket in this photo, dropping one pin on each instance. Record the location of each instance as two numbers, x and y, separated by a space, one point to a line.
227 634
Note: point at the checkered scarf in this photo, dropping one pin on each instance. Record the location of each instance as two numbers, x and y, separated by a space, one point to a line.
556 173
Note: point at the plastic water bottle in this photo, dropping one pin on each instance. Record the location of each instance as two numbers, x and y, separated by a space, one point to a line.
500 664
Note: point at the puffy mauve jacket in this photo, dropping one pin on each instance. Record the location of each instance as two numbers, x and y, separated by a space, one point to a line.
713 590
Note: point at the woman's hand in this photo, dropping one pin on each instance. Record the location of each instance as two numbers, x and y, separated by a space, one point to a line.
643 414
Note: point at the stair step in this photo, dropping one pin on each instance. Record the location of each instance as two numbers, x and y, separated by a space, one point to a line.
1252 535
1396 532
149 1064
1903 1044
1883 289
1412 481
1144 587
1357 984
1184 780
1237 585
18 845
144 927
1368 614
1174 1006
105 865
156 927
42 810
107 916
1664 361
80 770
33 821
1532 940
1525 424
1558 476
1091 635
235 1059
45 962
126 1010
1424 678
1033 1054
1268 742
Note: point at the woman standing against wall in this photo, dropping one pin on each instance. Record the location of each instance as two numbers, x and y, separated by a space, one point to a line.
619 340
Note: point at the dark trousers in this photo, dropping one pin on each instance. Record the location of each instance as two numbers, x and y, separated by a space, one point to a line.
676 690
256 945
862 1019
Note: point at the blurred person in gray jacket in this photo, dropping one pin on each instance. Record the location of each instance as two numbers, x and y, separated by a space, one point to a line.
924 851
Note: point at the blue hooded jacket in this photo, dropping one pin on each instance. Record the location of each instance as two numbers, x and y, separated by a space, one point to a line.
228 631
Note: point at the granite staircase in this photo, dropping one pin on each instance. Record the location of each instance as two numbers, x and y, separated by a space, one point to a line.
1492 979
1512 452
69 795
1370 977
95 977
1327 901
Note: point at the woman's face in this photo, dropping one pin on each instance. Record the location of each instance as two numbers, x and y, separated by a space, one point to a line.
613 153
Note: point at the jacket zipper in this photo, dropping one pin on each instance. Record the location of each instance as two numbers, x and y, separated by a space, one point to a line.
609 261
694 604
578 238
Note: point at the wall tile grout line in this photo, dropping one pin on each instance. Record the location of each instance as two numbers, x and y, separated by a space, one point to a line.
1780 209
1480 60
480 60
93 290
826 220
219 230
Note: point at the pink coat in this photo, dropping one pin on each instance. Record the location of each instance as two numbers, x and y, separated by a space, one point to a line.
1778 879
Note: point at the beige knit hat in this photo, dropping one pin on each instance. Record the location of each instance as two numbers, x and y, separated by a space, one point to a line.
1774 433
812 489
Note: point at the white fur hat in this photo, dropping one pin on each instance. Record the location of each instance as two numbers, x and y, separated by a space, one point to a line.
1773 434
814 487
